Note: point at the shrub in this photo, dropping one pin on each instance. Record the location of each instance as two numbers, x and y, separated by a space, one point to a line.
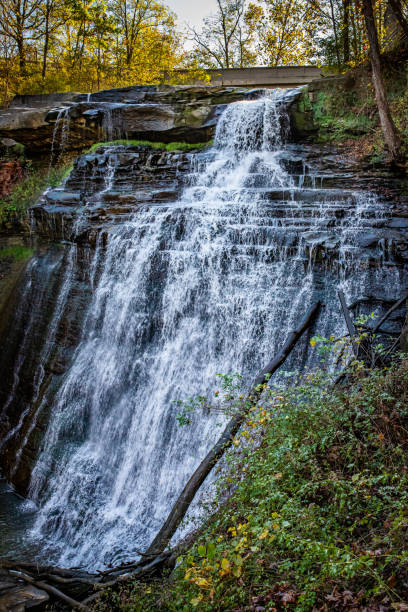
25 193
318 517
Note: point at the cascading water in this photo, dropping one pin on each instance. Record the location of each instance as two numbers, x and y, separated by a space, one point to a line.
210 284
60 136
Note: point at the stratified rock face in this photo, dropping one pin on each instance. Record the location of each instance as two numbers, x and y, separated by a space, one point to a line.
42 319
109 187
17 596
69 122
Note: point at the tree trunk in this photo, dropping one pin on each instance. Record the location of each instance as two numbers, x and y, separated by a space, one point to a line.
397 10
187 495
336 40
21 56
346 34
46 44
391 135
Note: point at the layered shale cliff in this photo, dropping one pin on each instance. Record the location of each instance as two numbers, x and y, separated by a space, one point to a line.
153 271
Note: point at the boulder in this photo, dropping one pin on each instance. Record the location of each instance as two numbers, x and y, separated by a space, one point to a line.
23 597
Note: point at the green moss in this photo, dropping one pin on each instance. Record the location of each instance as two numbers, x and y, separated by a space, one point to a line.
25 193
335 111
17 253
171 146
338 115
319 508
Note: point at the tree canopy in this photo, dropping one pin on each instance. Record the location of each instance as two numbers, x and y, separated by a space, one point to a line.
60 45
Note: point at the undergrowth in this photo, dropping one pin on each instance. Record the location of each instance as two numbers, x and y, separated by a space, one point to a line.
171 146
26 192
318 515
16 253
347 111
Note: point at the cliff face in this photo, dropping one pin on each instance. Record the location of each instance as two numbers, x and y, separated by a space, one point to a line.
158 113
47 295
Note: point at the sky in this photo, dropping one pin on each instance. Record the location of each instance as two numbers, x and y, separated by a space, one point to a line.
191 11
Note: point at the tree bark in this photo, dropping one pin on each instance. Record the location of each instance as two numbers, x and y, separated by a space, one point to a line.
349 322
391 135
336 40
46 43
21 55
397 10
346 34
187 495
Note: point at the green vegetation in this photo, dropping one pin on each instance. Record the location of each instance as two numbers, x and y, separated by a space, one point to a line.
171 146
25 193
16 253
319 514
345 112
336 116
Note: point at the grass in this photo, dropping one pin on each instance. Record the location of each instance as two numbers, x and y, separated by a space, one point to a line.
16 253
318 518
171 146
25 193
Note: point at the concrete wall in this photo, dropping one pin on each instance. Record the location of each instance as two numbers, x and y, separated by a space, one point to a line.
284 76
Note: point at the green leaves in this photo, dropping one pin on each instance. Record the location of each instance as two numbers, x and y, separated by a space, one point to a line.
319 502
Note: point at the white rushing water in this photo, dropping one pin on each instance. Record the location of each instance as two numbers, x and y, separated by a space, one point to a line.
211 284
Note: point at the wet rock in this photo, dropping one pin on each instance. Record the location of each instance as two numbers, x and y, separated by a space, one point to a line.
158 113
113 183
24 597
368 240
398 222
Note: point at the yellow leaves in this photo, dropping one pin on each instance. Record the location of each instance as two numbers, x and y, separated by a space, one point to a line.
202 582
241 544
225 564
231 566
225 567
312 342
237 572
196 601
264 534
278 475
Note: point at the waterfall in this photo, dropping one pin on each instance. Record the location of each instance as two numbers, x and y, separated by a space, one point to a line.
209 284
62 123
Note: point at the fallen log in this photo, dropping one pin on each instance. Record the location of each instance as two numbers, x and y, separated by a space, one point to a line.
182 504
389 312
52 591
93 585
349 322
